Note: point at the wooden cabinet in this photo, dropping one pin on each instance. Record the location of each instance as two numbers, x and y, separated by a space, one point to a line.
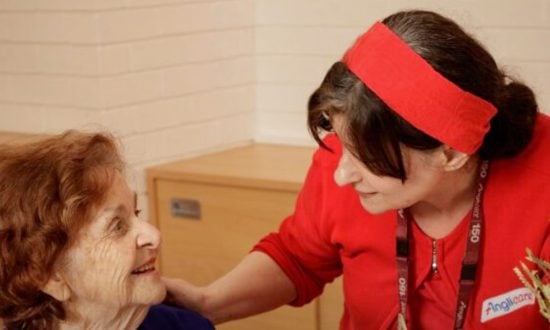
211 210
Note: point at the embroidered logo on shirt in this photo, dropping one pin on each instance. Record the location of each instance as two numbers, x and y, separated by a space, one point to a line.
506 303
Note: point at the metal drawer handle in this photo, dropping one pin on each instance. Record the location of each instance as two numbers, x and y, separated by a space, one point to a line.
185 208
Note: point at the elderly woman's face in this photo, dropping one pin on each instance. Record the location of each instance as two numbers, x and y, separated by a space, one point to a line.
113 261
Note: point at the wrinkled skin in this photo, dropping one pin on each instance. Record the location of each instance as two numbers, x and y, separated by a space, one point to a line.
99 270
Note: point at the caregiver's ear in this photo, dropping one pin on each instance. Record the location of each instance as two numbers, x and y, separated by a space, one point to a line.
57 287
453 159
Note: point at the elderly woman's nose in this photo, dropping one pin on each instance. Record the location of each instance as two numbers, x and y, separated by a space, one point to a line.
347 171
148 235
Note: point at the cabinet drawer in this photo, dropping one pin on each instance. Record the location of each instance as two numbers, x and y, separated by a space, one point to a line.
243 193
232 219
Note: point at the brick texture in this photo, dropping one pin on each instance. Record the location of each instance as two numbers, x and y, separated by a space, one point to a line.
178 78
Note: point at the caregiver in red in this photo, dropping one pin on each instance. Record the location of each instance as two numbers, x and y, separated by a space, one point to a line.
431 180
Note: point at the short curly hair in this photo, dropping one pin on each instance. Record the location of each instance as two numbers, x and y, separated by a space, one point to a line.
48 192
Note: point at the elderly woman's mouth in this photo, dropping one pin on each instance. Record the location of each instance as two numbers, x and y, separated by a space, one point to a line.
146 268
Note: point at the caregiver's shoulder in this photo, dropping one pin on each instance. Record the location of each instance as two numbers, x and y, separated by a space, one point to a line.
536 157
169 317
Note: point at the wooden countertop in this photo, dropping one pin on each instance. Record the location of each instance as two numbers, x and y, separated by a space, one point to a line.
279 167
18 137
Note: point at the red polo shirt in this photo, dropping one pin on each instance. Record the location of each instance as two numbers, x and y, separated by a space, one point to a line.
330 234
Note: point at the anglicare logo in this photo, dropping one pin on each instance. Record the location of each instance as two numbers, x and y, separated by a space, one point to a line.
506 303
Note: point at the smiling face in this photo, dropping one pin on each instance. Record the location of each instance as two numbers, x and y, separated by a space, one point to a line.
382 193
112 263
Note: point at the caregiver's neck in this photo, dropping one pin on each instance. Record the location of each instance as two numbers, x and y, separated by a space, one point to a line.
444 209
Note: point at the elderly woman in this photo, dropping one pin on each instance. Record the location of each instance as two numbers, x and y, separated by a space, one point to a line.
73 252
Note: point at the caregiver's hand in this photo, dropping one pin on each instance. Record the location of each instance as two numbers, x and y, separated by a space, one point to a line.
184 294
255 285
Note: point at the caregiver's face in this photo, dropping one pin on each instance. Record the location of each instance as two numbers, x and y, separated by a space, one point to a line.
382 193
113 261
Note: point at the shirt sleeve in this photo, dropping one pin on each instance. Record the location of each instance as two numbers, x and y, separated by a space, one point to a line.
302 247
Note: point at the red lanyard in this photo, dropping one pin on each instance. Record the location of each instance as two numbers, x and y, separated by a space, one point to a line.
469 263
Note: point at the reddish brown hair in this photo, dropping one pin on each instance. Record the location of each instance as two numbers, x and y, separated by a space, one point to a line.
48 192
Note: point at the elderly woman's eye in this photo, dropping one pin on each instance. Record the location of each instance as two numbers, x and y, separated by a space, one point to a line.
137 212
118 224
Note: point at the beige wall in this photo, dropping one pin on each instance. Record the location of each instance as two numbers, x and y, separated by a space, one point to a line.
171 78
176 78
297 41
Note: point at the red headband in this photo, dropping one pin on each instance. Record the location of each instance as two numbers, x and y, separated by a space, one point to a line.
418 93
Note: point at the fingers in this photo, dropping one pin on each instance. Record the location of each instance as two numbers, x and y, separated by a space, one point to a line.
182 293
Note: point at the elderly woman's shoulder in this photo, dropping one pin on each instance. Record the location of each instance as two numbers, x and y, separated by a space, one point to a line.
169 317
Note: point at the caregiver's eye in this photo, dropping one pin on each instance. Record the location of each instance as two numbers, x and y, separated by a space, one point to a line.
325 122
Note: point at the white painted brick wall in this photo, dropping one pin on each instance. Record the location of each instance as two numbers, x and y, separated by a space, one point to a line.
128 25
65 59
204 76
189 48
44 119
62 5
162 75
48 27
206 16
177 78
131 88
297 41
114 59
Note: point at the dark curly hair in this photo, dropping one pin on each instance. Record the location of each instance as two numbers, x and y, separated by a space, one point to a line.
376 132
48 190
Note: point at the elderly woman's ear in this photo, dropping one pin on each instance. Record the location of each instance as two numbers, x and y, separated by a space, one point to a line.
57 287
